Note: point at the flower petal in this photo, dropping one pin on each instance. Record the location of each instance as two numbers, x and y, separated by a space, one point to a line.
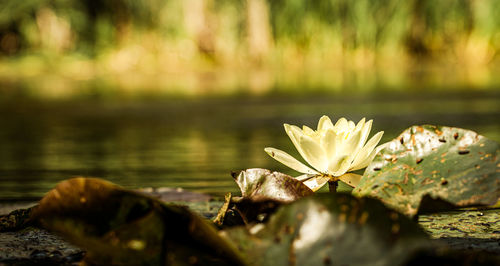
351 125
341 125
351 144
351 179
365 162
362 158
370 157
316 182
305 177
294 134
289 131
339 152
365 131
313 153
329 144
324 123
337 164
342 166
289 161
308 131
359 125
354 142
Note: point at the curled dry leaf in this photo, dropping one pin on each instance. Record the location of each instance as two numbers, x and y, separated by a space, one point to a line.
259 183
262 192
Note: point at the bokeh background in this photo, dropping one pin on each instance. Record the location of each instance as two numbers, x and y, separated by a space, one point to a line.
180 93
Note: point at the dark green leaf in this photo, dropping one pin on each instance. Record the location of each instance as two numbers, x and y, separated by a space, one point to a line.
332 229
116 226
453 165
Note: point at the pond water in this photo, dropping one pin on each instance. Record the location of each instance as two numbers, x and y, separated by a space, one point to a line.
196 143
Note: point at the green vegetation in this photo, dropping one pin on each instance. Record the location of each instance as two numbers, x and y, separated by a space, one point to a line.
199 46
426 163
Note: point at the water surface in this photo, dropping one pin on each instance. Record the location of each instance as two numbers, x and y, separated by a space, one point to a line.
195 144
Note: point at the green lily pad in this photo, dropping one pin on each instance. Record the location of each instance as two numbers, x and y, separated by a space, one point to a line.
467 225
258 184
450 165
331 229
117 227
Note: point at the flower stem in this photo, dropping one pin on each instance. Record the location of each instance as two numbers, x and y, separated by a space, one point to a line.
332 186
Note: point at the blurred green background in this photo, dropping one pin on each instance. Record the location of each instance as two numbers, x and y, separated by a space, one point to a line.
181 92
197 47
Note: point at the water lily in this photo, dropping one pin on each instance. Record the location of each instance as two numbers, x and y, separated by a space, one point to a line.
332 151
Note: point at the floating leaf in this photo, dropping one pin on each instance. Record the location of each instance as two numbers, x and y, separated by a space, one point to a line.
259 184
116 226
464 226
453 165
332 229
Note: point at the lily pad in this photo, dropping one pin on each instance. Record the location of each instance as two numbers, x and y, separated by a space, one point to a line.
446 164
332 229
117 226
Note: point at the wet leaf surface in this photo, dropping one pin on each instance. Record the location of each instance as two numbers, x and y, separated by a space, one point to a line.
34 246
15 220
331 229
477 232
453 165
480 224
465 230
116 226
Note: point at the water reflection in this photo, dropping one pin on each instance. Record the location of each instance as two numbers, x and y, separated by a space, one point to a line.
194 144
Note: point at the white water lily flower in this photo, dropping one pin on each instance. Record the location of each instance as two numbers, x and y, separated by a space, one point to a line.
331 151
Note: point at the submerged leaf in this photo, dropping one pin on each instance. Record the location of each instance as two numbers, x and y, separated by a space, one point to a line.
332 229
447 164
117 226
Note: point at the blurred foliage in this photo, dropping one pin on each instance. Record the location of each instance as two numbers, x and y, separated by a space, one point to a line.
83 40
